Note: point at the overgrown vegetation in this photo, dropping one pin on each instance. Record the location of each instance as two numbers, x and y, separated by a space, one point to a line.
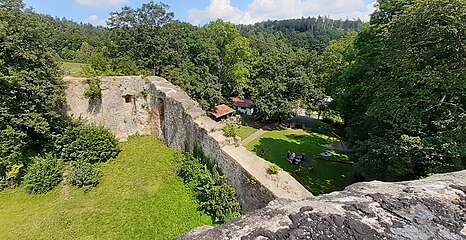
274 169
401 89
34 135
86 143
216 197
84 174
93 89
43 174
31 91
230 130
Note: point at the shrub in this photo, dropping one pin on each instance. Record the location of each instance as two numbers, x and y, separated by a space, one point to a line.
14 175
216 197
144 93
230 130
253 181
42 175
219 199
86 143
84 174
274 169
93 89
67 54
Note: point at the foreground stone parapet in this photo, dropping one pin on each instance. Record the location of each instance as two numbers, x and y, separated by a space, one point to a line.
432 208
153 106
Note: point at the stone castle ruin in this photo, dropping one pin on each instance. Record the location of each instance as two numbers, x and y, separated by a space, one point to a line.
153 106
277 207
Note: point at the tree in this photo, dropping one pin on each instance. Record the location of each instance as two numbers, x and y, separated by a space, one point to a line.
234 55
336 58
283 78
85 53
404 96
31 87
135 33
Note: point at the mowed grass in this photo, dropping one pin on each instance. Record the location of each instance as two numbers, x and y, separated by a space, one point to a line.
245 131
327 176
73 69
139 197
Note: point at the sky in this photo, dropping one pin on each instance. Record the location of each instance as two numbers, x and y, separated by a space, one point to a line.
199 12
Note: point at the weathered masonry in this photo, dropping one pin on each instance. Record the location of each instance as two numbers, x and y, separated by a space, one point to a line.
153 106
431 208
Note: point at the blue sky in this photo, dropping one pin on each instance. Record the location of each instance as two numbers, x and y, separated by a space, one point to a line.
203 11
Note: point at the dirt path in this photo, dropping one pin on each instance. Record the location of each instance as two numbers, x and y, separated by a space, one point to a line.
66 187
253 136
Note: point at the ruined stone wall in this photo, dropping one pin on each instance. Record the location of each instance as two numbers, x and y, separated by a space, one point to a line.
112 109
432 208
169 114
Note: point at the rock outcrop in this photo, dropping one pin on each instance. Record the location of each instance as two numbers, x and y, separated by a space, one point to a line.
432 208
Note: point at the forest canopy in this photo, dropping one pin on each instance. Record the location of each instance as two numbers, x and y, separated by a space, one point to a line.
402 92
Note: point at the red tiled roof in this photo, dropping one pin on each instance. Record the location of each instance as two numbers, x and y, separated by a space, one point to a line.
222 110
245 103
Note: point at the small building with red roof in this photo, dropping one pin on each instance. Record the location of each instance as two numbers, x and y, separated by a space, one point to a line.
244 106
221 112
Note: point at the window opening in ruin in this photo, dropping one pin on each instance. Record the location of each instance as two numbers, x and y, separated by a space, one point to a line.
128 98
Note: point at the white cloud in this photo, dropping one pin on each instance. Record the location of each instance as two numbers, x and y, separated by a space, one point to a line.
219 9
101 3
365 15
93 18
261 10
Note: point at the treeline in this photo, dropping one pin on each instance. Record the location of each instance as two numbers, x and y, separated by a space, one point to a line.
217 61
309 33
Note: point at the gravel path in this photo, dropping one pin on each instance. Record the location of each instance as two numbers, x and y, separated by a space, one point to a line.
253 136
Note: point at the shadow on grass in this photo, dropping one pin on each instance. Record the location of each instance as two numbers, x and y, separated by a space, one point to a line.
325 177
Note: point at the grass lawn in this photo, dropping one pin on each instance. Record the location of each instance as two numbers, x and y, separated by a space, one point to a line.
245 131
139 197
73 69
326 177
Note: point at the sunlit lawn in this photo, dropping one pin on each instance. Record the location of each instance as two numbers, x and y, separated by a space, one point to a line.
246 131
327 176
139 197
73 69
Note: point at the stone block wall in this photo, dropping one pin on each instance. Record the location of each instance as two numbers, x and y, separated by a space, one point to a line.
168 113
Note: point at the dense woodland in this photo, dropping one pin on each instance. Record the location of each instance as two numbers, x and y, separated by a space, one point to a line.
398 81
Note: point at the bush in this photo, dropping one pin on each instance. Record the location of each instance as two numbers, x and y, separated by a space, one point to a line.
253 181
219 199
216 197
84 174
230 130
274 169
42 175
144 93
93 89
86 143
67 54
